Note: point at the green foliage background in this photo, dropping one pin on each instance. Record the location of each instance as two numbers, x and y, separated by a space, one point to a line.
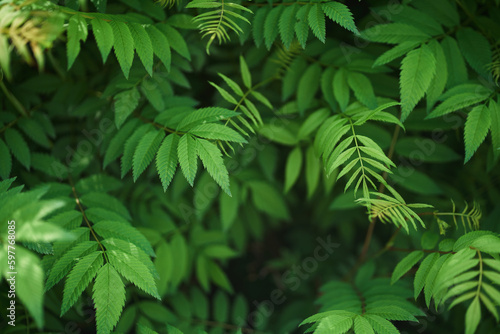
212 166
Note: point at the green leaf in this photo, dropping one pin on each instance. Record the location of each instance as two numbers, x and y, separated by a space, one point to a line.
224 93
363 89
270 26
103 33
440 79
362 326
472 316
394 53
5 157
258 25
175 39
77 31
188 160
245 73
476 49
125 104
115 148
293 168
313 170
308 86
316 19
457 71
487 243
130 248
380 325
394 33
166 160
123 46
29 283
145 152
5 56
229 206
443 11
18 147
457 102
405 265
287 22
422 273
180 254
267 199
134 271
211 157
129 148
495 127
312 122
217 132
161 45
341 88
123 231
301 27
341 14
221 307
35 131
78 279
419 19
109 298
476 128
142 45
64 264
205 115
417 71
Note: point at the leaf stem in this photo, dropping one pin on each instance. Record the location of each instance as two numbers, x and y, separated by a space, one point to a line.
18 105
77 200
381 189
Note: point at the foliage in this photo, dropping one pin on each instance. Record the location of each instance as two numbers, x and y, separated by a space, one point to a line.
213 166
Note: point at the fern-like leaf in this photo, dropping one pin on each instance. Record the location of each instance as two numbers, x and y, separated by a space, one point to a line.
188 160
217 22
341 14
166 159
123 231
476 128
134 271
109 298
417 71
65 263
393 210
123 46
211 157
79 277
145 152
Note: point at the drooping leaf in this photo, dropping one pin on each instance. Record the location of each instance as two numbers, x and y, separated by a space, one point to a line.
316 20
103 34
476 128
188 159
123 46
417 71
125 104
293 168
142 45
109 298
211 157
77 31
79 277
341 14
134 271
145 152
166 159
18 147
